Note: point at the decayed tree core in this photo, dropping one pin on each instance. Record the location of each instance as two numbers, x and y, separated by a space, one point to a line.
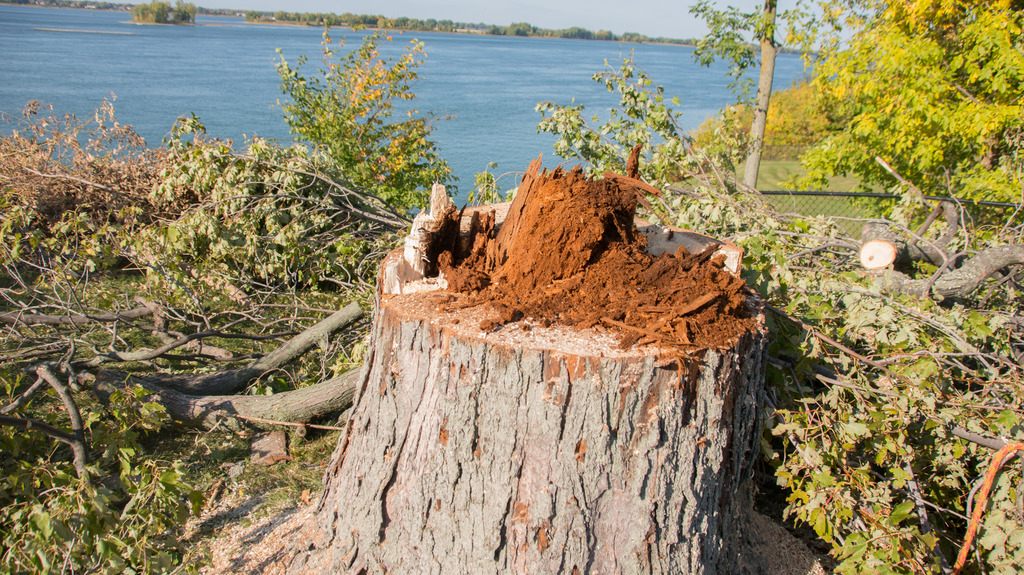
537 432
569 252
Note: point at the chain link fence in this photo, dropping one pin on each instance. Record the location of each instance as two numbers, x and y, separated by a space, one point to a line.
849 206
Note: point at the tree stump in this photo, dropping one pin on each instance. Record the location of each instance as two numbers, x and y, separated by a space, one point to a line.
526 444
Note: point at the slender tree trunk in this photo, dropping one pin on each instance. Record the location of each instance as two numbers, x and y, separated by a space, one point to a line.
764 94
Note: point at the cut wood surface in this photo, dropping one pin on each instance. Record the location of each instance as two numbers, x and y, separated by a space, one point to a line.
576 406
878 254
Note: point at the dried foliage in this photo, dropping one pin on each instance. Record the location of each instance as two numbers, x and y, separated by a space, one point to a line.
60 164
186 259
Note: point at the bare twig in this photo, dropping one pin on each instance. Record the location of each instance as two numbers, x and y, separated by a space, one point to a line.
25 396
989 442
72 318
70 179
917 191
922 515
147 354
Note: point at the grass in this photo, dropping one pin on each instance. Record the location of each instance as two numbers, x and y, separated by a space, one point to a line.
774 174
256 491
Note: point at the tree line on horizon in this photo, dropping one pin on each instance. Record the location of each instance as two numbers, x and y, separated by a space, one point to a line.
522 29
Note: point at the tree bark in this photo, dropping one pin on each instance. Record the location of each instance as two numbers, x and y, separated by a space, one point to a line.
538 449
764 93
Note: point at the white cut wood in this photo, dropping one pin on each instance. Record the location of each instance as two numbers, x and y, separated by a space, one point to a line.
412 266
877 254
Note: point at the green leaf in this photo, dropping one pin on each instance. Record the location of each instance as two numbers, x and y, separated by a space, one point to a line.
42 521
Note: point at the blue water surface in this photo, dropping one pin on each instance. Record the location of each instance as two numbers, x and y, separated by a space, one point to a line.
223 71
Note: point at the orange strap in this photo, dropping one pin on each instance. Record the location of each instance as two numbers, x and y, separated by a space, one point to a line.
979 508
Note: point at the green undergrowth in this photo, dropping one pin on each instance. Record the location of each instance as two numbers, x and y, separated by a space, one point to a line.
241 248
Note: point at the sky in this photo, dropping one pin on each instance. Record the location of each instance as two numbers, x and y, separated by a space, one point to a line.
654 18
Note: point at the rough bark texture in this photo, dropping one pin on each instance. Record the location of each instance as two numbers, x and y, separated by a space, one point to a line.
467 455
559 401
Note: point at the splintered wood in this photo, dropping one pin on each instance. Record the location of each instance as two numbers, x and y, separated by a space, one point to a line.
568 251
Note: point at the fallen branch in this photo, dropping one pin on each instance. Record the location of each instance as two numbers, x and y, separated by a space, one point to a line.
28 424
229 381
19 318
960 282
75 439
300 427
883 245
299 406
984 441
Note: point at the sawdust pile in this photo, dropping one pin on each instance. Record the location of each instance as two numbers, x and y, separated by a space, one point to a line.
569 252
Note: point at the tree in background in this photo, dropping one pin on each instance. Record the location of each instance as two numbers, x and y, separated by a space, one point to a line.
184 12
346 110
725 40
158 12
932 88
795 122
154 12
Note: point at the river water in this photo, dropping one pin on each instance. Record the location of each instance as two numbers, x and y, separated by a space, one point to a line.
223 71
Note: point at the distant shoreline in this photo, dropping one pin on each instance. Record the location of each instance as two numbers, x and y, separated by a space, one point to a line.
453 32
117 7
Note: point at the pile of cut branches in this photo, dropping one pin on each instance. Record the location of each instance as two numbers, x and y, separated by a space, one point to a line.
188 285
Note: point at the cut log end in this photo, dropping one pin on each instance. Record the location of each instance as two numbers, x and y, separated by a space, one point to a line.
877 254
